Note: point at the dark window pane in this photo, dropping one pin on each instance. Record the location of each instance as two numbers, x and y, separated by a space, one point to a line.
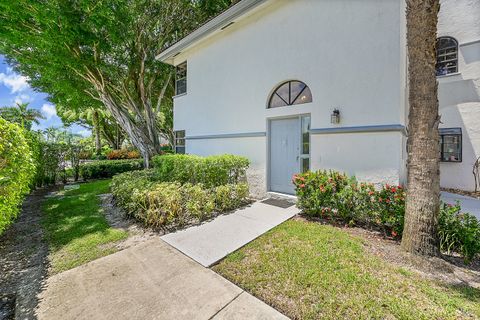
305 164
305 135
283 92
179 141
181 78
181 70
296 88
182 86
180 134
447 56
180 150
304 97
276 101
451 144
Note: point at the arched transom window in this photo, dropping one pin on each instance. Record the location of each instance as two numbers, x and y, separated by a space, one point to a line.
447 56
290 93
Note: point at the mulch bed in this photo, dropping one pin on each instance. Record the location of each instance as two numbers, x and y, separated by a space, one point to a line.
472 194
23 261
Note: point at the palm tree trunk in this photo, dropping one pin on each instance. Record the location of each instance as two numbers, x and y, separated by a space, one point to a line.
423 180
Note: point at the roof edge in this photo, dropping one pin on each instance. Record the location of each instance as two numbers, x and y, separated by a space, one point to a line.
208 28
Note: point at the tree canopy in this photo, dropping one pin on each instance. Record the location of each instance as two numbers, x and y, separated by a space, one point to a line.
101 54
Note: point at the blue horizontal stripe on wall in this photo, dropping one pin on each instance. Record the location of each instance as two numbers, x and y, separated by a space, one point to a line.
356 129
359 129
228 135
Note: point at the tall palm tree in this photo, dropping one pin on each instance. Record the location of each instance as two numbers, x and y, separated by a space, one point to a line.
91 115
423 178
52 134
22 115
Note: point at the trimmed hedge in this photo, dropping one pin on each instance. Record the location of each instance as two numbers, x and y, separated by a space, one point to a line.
173 204
17 170
108 168
212 171
333 195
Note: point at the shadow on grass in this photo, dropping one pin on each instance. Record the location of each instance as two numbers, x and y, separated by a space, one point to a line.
73 215
75 225
465 291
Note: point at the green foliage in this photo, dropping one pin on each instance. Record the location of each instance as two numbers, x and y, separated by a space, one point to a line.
459 232
333 195
211 171
230 196
16 171
183 189
108 168
57 156
172 204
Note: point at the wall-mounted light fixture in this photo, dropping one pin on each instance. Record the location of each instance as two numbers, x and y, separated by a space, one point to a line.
335 117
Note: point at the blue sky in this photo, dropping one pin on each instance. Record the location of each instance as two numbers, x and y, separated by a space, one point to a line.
14 88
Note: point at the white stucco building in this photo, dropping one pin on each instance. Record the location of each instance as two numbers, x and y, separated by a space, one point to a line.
304 85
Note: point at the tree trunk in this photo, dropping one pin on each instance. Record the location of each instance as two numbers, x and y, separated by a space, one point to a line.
118 138
137 132
112 134
423 180
96 132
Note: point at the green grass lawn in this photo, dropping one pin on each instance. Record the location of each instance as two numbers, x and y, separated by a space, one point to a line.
76 230
312 271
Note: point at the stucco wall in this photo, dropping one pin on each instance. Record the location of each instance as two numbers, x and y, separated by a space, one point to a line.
459 94
350 53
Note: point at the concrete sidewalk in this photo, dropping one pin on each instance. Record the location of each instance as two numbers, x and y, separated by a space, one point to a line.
147 281
210 242
468 204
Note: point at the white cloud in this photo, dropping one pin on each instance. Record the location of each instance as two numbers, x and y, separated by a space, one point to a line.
22 98
48 110
16 82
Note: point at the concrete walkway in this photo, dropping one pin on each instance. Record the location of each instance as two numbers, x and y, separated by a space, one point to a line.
212 241
468 204
147 281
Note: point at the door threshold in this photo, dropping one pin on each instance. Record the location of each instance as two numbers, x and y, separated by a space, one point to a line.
279 195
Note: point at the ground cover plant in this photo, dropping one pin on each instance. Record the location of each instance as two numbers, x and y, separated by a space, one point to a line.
76 229
308 270
333 195
183 189
17 170
108 168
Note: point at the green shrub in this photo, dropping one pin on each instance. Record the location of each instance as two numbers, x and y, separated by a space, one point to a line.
333 195
211 171
173 204
108 168
129 187
17 170
459 232
390 207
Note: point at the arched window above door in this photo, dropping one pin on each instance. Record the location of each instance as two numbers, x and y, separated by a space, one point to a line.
290 93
